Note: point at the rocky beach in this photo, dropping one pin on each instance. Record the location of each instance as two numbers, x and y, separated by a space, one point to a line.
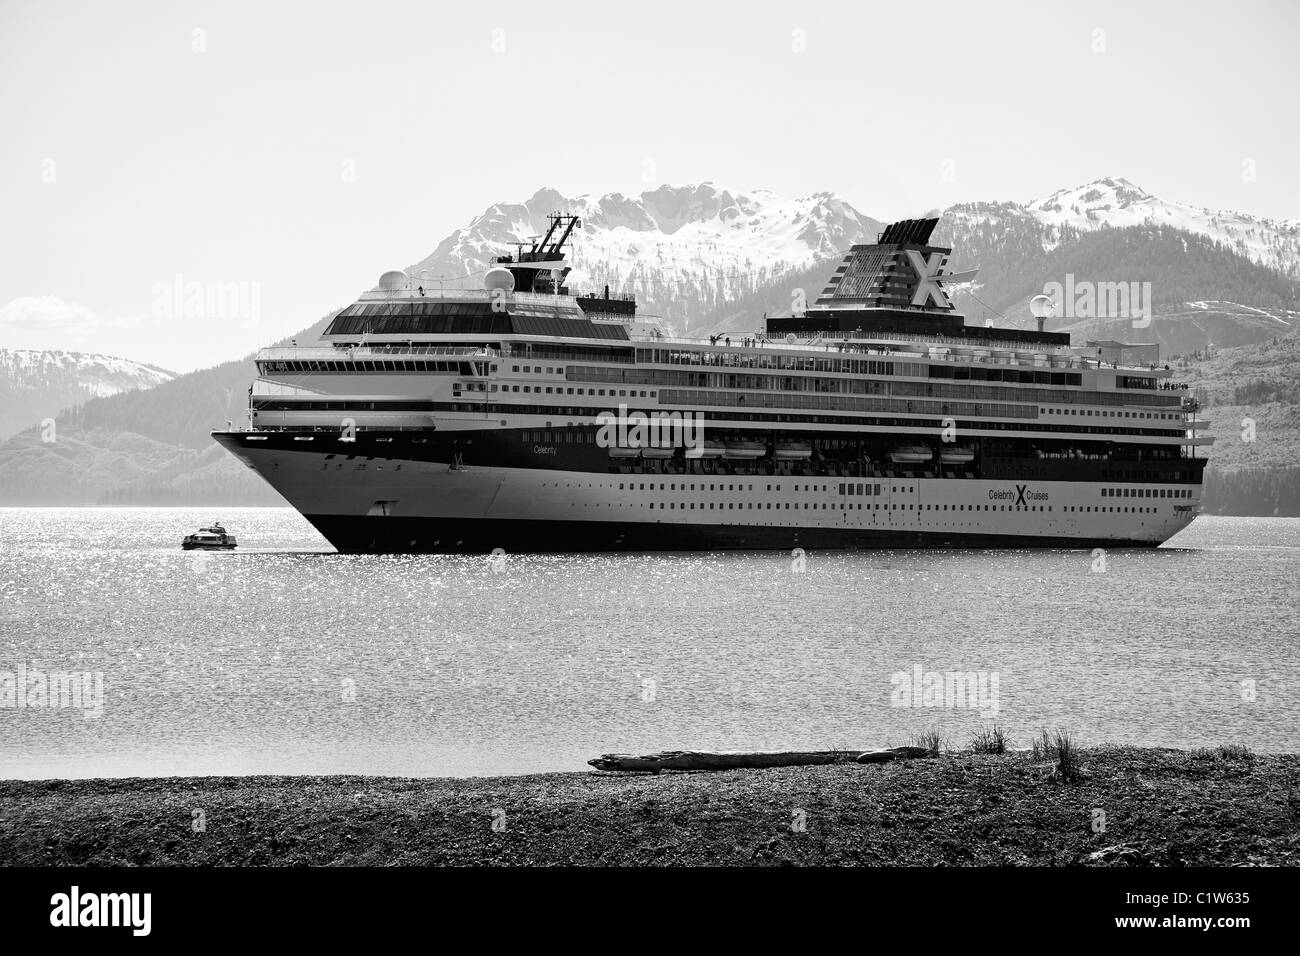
1126 806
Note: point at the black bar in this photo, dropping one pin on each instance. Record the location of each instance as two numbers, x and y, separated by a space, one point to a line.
596 906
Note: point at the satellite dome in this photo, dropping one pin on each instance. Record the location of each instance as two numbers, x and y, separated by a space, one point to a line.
499 278
392 281
1042 306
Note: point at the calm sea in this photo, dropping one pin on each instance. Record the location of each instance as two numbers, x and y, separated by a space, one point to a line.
285 657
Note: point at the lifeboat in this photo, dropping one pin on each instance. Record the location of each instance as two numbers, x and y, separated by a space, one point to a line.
957 455
712 449
793 451
618 451
745 449
910 455
665 452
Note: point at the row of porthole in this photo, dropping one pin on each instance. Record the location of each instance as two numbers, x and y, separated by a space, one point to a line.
1146 492
691 506
1107 414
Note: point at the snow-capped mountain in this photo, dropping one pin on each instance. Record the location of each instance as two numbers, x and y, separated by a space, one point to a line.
694 254
682 250
1215 277
1116 203
36 384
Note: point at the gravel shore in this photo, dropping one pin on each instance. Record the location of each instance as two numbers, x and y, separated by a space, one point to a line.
1132 806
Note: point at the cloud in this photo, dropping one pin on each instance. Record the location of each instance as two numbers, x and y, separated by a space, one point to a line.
45 315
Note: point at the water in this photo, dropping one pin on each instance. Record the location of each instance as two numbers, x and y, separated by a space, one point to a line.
285 657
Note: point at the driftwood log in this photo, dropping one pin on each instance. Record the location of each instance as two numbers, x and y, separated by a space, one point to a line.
698 760
893 753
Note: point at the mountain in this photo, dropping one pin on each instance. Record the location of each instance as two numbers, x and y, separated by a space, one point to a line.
1202 291
682 250
1251 397
39 384
148 447
1115 203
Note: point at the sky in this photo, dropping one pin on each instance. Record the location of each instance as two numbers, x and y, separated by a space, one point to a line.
182 182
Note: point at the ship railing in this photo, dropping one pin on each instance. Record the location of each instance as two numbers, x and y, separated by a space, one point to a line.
470 295
263 426
329 352
751 356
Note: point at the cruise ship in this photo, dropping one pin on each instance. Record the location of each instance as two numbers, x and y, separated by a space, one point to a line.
525 417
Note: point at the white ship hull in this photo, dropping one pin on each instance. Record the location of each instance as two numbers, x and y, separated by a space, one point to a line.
371 503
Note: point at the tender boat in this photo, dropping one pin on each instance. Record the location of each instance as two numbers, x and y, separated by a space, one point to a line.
792 450
215 538
911 454
745 449
959 455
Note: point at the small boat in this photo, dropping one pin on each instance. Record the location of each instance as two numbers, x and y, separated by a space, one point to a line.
619 451
793 450
214 538
745 449
910 454
958 455
709 449
664 452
